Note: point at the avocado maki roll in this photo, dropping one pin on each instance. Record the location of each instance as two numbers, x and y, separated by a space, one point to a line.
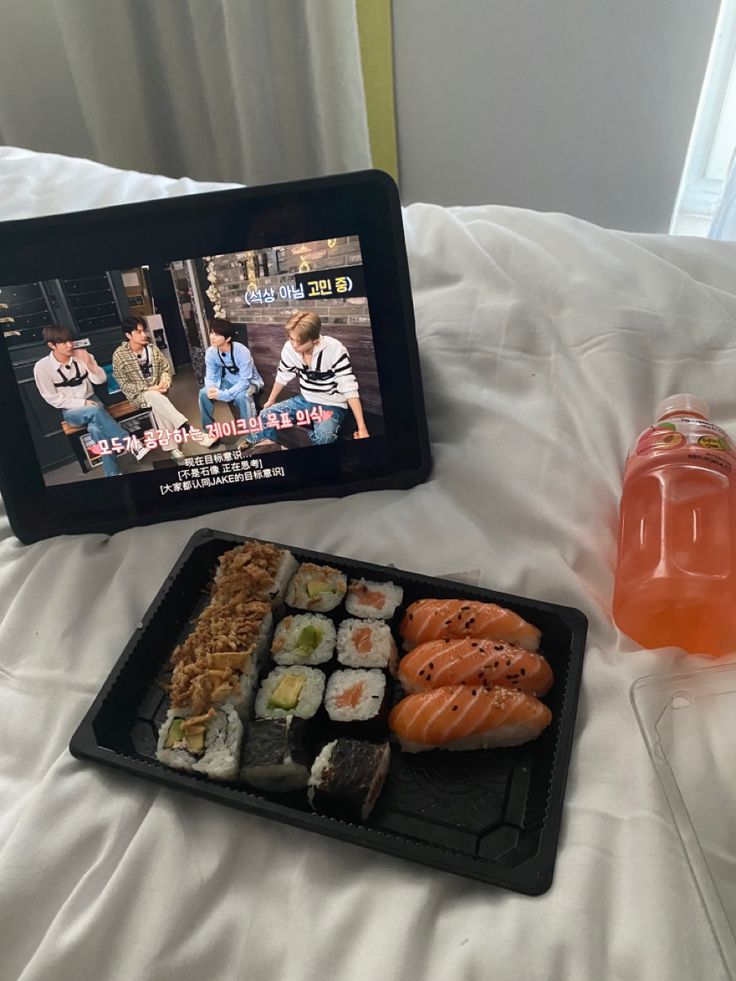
307 638
294 690
208 743
316 587
274 757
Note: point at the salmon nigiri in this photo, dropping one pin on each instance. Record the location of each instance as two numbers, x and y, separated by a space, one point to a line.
460 717
437 663
432 619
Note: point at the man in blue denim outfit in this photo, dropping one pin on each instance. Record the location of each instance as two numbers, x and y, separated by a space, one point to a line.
65 380
230 374
327 386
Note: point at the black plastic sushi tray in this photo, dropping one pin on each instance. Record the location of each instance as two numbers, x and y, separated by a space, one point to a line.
492 815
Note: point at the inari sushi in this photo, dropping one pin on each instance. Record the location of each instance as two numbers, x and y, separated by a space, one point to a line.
307 638
432 619
373 599
366 644
316 587
438 663
462 718
208 743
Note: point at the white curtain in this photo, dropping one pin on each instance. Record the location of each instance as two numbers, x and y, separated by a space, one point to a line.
724 221
231 90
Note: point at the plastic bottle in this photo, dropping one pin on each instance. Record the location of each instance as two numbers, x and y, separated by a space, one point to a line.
676 570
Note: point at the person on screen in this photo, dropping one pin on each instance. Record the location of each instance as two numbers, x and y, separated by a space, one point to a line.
230 373
326 381
65 379
144 376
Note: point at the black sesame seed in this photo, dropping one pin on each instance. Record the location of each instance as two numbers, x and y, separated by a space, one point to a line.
454 708
508 664
523 671
498 647
475 692
495 664
421 672
430 665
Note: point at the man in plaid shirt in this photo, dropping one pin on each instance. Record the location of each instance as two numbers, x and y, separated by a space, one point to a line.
144 376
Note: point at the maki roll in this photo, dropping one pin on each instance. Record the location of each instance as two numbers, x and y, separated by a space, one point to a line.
357 696
366 644
347 778
208 743
316 587
216 678
253 571
274 757
307 638
373 599
295 690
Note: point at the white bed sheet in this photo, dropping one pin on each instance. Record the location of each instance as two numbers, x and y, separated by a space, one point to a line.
545 343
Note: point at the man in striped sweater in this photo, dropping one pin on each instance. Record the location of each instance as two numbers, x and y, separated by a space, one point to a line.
328 388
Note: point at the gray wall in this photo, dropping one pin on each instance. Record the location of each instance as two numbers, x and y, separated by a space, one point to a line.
579 106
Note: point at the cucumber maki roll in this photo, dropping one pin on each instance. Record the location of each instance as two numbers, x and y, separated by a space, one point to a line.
307 638
316 587
347 778
208 743
274 757
294 690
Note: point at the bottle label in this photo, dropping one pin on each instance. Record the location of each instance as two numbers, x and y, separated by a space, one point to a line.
705 441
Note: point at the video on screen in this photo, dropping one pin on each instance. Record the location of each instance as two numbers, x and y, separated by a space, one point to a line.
213 365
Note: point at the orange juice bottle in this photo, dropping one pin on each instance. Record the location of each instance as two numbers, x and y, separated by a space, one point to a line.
676 569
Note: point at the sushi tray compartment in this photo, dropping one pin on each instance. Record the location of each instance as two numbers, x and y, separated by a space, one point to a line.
379 779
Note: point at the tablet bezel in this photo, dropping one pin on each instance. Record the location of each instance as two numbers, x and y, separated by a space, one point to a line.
365 204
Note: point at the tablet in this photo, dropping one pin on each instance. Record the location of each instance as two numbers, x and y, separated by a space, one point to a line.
175 357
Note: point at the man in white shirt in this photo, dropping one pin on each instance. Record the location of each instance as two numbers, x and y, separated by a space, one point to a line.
328 388
65 380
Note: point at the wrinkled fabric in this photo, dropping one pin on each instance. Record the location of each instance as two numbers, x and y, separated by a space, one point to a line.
545 345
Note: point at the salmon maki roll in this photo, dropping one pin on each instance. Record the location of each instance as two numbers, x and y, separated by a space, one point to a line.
461 718
433 619
438 663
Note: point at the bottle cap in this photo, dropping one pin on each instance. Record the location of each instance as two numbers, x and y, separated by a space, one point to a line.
683 404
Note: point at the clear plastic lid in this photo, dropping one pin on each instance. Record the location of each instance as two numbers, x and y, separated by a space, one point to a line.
684 404
687 721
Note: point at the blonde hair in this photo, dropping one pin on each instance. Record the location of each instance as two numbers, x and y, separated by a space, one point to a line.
307 326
